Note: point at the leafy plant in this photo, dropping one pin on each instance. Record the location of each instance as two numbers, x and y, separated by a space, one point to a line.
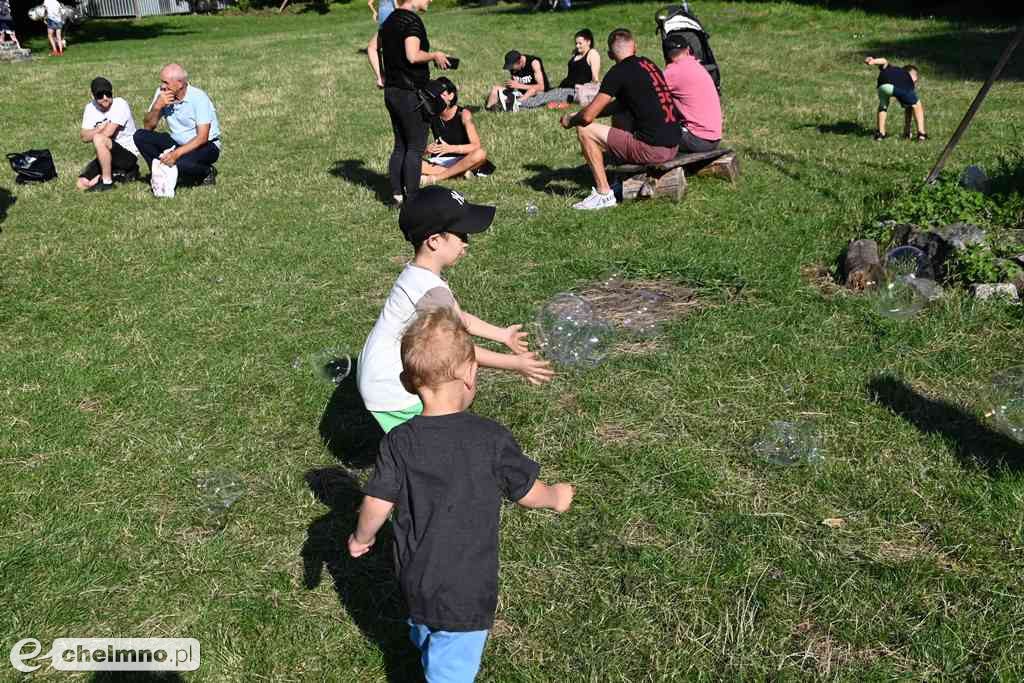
980 263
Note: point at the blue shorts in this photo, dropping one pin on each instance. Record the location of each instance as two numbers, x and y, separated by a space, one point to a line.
384 11
448 656
908 98
54 25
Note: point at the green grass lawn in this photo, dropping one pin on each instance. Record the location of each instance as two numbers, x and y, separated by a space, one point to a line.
146 343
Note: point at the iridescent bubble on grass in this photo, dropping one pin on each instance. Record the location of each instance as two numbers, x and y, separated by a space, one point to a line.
789 443
331 365
218 492
1006 402
570 333
906 284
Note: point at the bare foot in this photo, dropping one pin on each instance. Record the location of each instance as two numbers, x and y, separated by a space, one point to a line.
564 494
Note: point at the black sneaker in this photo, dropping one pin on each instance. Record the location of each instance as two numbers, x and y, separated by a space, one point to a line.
921 137
880 136
211 177
101 187
129 176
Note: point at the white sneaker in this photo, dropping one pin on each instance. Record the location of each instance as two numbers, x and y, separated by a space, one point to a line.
596 200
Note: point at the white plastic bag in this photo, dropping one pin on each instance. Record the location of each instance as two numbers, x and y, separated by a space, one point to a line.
163 178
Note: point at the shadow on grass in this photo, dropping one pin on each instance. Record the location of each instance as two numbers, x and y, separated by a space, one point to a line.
356 172
6 202
966 54
975 443
787 165
547 179
852 128
367 586
347 428
105 30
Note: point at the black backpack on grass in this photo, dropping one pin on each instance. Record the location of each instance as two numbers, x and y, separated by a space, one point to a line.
33 166
677 27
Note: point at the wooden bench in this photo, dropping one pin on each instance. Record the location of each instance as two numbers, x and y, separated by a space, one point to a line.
669 179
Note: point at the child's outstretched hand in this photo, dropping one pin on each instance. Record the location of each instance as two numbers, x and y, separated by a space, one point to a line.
515 339
357 549
535 369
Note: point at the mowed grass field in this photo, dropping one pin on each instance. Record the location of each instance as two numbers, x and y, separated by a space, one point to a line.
145 344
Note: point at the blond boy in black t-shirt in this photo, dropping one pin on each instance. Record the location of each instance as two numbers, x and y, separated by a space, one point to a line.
445 473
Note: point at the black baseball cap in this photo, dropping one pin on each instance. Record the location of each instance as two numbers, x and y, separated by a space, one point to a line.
100 84
438 209
511 59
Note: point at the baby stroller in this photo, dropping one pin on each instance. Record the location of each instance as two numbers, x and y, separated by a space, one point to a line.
678 27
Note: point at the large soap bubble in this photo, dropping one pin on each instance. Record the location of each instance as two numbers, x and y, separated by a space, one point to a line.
330 365
570 333
906 284
219 491
790 443
1006 399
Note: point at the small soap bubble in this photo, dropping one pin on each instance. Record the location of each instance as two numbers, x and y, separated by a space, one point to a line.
218 492
906 284
570 333
1006 402
331 365
531 209
790 443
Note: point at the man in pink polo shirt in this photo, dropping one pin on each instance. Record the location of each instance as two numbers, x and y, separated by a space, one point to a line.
694 95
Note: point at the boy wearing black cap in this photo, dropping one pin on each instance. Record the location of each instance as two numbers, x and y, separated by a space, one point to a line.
108 124
437 222
444 474
526 79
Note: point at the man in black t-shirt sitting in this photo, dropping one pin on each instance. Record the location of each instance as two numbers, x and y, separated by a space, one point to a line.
526 79
445 473
639 89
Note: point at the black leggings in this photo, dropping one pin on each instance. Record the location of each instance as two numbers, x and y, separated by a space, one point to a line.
410 130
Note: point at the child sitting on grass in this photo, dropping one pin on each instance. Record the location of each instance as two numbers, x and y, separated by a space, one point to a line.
438 222
900 83
445 472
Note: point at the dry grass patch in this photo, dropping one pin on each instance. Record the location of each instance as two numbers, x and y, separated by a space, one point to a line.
820 278
640 305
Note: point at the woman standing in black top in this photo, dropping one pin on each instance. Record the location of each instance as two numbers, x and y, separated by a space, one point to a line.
405 57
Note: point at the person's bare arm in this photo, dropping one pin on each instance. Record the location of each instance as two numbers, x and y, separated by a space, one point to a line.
107 130
594 59
152 118
880 62
531 366
538 80
201 138
557 497
372 515
586 116
512 336
415 55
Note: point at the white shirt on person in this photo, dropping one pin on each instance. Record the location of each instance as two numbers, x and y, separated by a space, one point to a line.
380 363
53 10
120 113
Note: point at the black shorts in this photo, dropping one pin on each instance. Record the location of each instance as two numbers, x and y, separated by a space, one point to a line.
121 161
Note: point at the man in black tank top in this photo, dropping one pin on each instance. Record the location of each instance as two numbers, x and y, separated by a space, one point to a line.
526 79
456 151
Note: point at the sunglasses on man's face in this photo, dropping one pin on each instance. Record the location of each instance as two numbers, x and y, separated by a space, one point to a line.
103 94
462 236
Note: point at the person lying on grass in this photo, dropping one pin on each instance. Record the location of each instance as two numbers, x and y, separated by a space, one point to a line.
445 473
437 222
901 83
456 151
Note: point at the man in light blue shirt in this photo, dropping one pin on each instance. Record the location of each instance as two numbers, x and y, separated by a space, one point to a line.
192 142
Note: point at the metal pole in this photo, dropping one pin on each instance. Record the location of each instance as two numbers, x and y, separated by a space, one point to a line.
975 106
